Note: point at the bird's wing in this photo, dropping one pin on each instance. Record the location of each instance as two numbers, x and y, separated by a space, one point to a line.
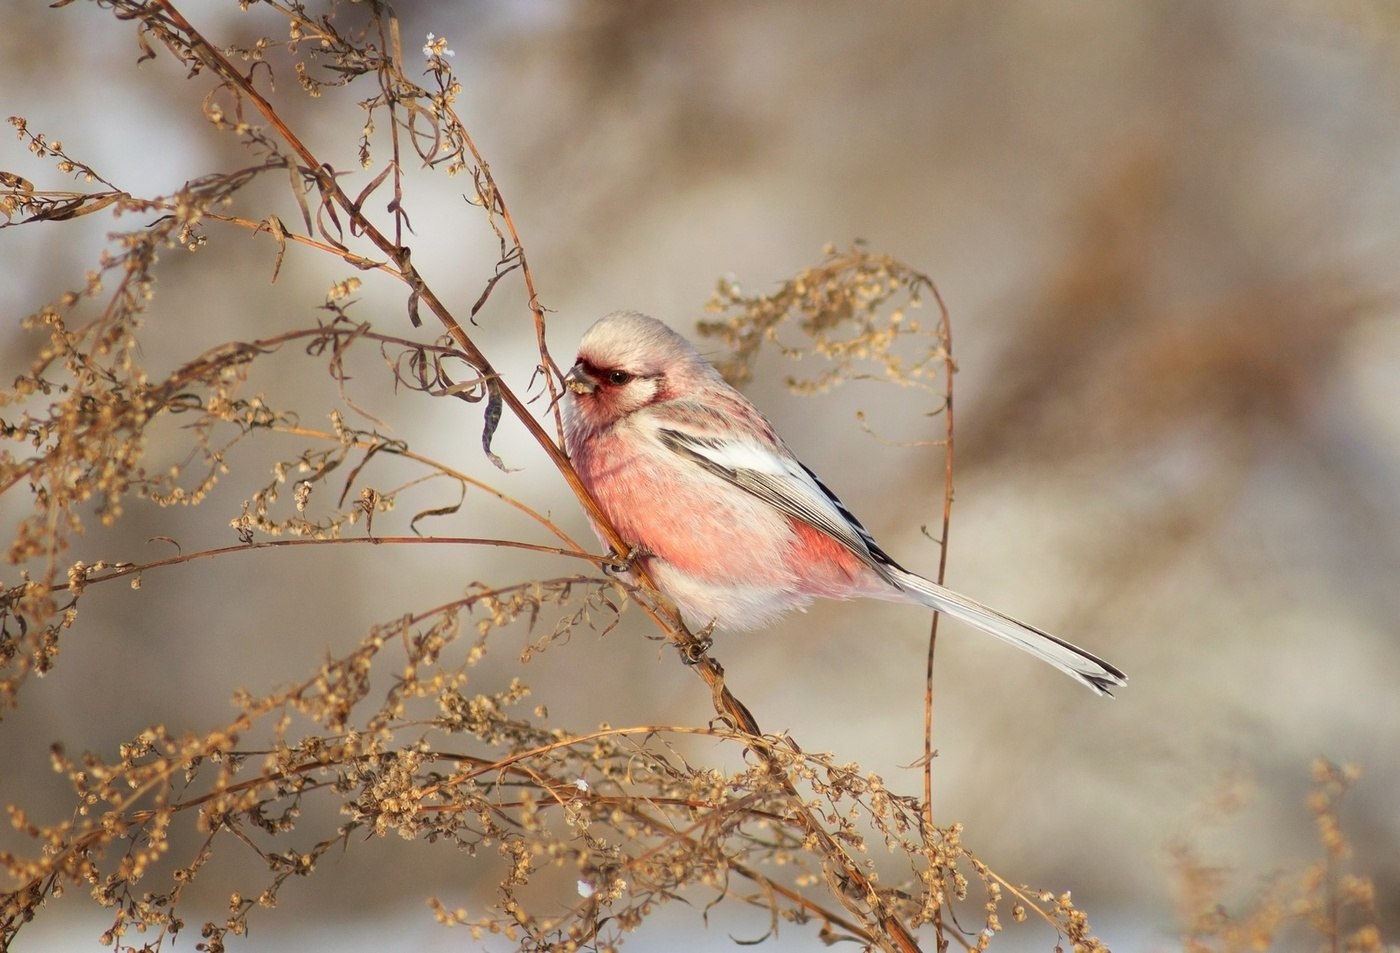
746 454
758 464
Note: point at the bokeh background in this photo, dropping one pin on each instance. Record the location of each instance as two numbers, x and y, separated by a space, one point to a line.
1167 235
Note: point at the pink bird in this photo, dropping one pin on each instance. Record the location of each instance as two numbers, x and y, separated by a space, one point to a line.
721 515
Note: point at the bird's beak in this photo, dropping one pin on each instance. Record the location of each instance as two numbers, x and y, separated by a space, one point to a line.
579 380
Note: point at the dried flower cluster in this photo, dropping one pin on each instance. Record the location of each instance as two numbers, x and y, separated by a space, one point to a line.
853 311
1322 906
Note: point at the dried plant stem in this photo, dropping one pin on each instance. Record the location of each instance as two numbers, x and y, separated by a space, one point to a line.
945 331
101 572
949 369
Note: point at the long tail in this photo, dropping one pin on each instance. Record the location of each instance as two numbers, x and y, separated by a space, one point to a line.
1070 659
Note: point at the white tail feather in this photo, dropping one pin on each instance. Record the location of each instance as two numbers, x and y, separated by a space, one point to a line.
1072 660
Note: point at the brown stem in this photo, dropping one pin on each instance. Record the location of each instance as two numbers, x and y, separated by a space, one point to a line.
945 330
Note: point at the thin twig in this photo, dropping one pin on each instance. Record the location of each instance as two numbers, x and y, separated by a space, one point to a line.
945 331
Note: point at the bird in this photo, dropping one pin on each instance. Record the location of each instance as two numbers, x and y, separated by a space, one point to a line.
720 513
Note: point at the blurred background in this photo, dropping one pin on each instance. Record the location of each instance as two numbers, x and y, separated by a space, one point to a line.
1167 235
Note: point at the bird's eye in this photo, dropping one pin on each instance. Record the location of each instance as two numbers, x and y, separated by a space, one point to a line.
619 378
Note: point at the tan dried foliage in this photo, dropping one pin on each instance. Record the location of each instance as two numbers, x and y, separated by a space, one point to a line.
1322 905
853 312
404 734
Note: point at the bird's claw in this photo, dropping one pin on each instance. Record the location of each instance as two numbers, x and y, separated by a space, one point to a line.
615 565
698 646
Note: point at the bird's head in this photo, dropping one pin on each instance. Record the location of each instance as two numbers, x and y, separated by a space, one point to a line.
627 361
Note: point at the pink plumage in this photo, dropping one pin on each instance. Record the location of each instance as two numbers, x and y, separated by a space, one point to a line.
724 518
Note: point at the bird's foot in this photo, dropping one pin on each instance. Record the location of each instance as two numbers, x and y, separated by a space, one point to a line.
698 646
615 565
